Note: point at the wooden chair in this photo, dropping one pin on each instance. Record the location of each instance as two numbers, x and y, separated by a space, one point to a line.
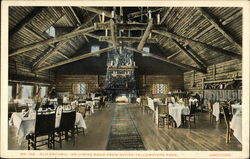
227 122
161 115
44 128
82 110
144 103
169 119
192 114
12 107
67 125
210 111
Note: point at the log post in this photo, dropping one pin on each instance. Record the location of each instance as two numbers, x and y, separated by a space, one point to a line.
113 32
145 35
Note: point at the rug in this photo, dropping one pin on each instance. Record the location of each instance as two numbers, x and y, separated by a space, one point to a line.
123 133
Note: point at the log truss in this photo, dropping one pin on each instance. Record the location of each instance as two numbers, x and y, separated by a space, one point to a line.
184 44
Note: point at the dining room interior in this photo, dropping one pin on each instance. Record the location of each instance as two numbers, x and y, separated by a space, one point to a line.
125 78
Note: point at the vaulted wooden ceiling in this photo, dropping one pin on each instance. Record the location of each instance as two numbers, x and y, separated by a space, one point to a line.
189 38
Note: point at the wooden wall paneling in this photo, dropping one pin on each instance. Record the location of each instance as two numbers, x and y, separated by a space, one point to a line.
220 71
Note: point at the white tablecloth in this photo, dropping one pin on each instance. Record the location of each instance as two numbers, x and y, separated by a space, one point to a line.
91 104
236 107
236 125
138 100
176 110
216 110
27 125
151 104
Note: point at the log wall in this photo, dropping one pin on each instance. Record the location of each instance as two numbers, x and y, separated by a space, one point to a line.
64 82
221 71
144 82
20 70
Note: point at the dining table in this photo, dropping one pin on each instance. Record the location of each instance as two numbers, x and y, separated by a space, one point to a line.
236 122
26 124
176 111
236 125
216 110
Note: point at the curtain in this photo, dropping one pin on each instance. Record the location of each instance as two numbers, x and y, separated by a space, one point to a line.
160 88
79 88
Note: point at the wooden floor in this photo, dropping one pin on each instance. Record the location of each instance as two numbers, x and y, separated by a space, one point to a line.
204 137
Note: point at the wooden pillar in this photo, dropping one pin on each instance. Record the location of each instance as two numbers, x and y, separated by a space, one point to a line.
214 72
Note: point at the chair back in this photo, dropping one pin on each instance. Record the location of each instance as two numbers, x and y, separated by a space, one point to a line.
38 104
45 123
144 101
209 105
60 101
82 109
161 109
68 121
12 107
226 114
192 109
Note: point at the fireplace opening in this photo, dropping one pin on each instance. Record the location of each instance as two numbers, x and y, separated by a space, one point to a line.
122 99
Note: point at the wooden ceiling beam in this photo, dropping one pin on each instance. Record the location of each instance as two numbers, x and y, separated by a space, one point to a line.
174 54
191 41
139 14
50 53
51 40
26 20
220 28
75 59
59 53
113 32
78 21
124 39
145 35
190 55
185 66
130 26
100 11
94 36
165 15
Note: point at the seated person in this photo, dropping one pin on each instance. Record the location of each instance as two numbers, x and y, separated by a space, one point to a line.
193 101
48 105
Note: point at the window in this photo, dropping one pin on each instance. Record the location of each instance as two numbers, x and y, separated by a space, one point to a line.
146 49
80 88
160 88
27 91
10 92
51 31
43 91
95 48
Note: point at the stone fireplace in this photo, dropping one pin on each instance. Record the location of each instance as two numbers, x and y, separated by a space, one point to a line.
120 78
122 99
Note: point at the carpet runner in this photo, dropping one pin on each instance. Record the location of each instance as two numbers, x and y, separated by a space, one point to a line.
123 133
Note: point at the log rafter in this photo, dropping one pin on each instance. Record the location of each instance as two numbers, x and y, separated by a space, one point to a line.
185 66
191 41
100 11
86 55
161 30
190 55
51 40
125 39
220 28
50 53
26 20
145 35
